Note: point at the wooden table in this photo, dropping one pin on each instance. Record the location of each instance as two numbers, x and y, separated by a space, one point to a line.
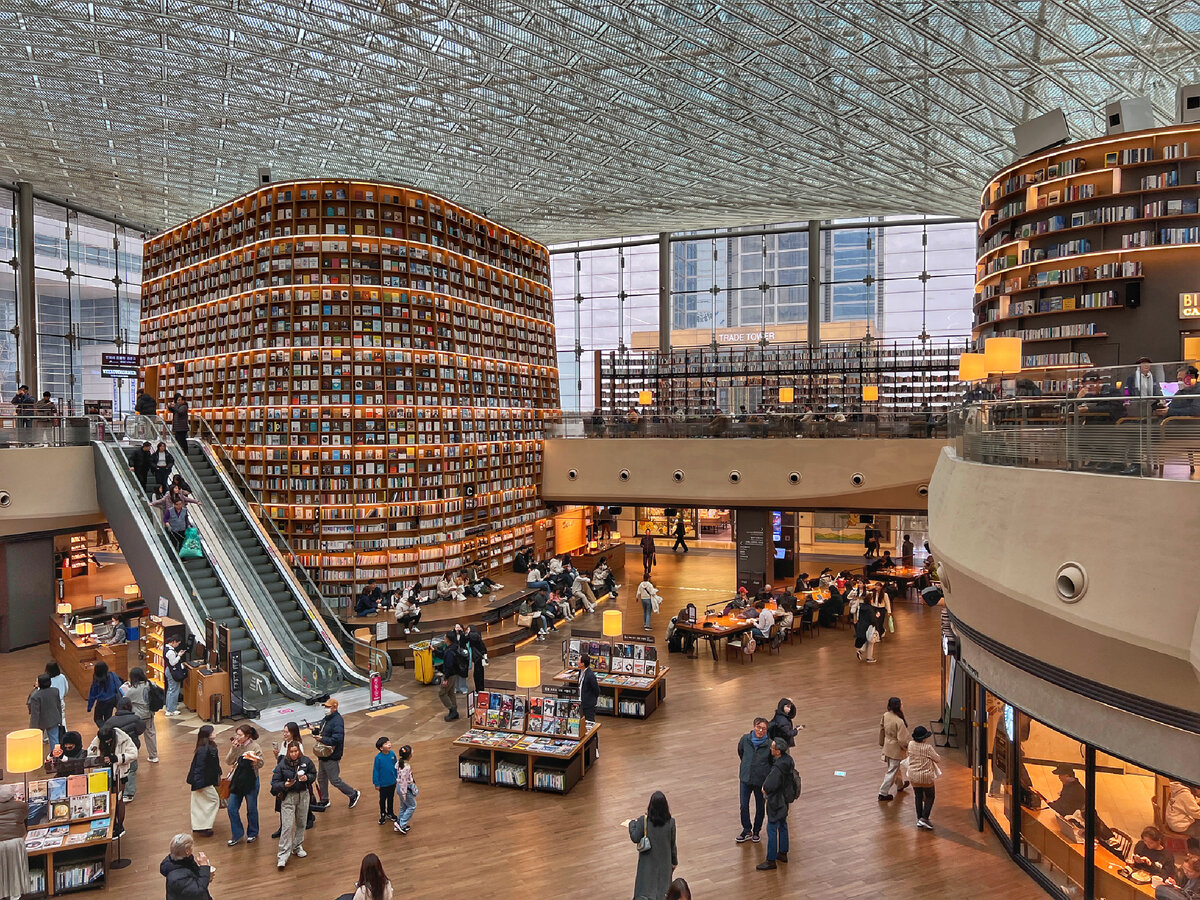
902 575
1039 829
648 691
572 766
586 559
717 628
201 686
77 656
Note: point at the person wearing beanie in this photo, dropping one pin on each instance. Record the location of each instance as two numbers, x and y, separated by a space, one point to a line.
779 791
923 771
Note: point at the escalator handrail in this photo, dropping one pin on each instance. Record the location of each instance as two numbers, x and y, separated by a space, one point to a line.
380 661
305 675
188 599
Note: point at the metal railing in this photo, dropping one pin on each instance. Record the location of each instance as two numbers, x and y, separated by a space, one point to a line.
828 424
1100 427
377 660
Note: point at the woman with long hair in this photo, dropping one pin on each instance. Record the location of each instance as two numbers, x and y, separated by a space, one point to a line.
372 883
893 739
59 680
656 862
291 733
204 776
139 696
246 757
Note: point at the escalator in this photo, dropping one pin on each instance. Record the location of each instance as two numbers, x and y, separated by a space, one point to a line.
288 605
193 588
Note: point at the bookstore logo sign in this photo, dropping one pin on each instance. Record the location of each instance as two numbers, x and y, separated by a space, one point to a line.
1189 305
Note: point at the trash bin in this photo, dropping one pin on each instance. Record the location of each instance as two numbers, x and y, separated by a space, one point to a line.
214 709
423 662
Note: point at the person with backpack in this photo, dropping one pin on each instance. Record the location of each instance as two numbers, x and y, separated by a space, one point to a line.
781 787
103 693
146 699
454 666
754 751
131 723
175 673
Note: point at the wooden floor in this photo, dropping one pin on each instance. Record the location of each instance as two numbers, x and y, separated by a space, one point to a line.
480 841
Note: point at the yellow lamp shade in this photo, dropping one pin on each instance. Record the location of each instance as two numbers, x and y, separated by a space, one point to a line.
645 398
1002 355
971 367
131 590
529 671
23 750
787 395
870 392
83 628
613 624
1191 348
63 609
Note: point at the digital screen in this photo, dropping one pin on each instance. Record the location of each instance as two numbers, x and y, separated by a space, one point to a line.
780 552
119 365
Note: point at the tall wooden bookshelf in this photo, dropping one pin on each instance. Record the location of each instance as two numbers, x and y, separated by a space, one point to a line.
378 358
1083 250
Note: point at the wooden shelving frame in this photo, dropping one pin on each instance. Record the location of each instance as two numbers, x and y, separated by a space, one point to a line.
378 359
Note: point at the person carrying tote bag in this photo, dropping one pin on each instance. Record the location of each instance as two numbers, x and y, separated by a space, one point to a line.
654 836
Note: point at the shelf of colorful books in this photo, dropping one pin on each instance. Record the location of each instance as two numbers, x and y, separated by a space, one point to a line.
631 682
527 761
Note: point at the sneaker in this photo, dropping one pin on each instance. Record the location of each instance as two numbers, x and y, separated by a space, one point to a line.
872 660
884 798
281 864
128 799
357 794
232 843
300 852
743 837
408 631
251 840
416 630
152 759
382 819
766 865
756 837
924 823
275 834
403 829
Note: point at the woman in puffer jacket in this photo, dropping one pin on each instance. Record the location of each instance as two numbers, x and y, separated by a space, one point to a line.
923 771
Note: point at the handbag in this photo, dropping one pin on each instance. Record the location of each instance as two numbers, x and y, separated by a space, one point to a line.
524 621
655 600
891 624
322 751
643 845
223 787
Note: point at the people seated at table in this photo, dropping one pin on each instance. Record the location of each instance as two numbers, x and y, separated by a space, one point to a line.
788 605
367 603
763 621
825 578
1186 401
1143 382
1182 813
1186 884
1073 797
1102 401
802 583
882 563
832 609
1151 855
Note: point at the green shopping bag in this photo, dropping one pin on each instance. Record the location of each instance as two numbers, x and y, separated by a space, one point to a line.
191 548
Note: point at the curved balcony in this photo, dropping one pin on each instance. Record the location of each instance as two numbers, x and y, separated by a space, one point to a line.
1066 534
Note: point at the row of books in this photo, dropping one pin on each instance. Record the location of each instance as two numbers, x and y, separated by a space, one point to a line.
1092 300
1183 206
546 715
507 740
1166 179
1057 331
1132 156
474 769
632 708
1056 359
618 657
1068 194
511 773
69 877
549 779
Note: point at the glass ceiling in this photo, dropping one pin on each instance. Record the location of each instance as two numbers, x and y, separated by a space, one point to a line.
569 119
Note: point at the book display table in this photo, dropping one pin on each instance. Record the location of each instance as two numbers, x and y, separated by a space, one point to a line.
527 761
628 696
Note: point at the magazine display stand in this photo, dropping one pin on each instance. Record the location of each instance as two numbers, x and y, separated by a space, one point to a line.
70 849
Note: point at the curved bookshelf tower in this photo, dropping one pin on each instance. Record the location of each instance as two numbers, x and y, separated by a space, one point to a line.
379 359
1085 249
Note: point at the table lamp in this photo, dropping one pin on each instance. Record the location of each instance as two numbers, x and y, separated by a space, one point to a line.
612 624
23 753
787 395
529 675
645 398
131 590
83 629
870 392
971 367
64 610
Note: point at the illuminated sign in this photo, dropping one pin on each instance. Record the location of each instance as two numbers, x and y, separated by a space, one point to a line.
119 365
1189 305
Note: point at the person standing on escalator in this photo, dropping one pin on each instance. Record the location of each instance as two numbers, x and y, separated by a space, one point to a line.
178 409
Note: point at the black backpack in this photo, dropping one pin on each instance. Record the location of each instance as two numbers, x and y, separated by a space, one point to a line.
791 787
156 698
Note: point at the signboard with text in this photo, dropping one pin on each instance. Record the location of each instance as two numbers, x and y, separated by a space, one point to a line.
119 365
1189 305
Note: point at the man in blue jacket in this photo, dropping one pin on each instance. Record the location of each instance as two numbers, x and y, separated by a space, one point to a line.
754 750
332 732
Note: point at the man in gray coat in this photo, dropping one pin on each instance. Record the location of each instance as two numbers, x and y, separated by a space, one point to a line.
45 710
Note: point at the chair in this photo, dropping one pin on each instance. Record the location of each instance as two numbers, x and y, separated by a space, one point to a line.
774 640
808 619
739 645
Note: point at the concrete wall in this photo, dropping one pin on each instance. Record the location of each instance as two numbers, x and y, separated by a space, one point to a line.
894 472
51 488
1002 533
27 591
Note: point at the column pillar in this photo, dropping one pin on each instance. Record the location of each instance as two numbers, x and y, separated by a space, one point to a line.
755 549
814 283
664 292
27 340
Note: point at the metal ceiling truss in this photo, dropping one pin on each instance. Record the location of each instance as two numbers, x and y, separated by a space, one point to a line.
575 119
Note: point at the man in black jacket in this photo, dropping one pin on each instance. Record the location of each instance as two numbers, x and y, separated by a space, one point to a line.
140 461
776 787
332 732
589 688
454 665
754 751
187 876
